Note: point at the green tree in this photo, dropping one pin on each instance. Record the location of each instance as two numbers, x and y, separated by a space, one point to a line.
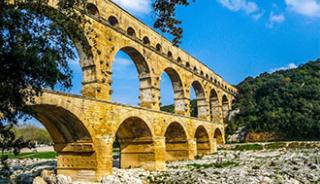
285 102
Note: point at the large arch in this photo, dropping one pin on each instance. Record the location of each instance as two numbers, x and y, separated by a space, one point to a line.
176 142
179 103
215 108
225 108
201 105
218 136
143 70
72 140
203 141
79 36
63 126
136 144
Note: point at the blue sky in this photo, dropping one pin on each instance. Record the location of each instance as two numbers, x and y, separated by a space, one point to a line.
236 38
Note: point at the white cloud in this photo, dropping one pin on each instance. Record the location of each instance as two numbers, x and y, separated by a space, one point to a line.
122 64
257 16
275 19
248 7
289 66
135 6
309 8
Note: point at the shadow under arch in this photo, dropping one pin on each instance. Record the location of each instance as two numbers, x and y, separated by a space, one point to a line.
176 142
203 142
218 136
63 126
200 107
72 140
135 139
176 82
143 70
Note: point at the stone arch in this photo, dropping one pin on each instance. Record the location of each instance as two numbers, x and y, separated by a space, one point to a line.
169 54
81 41
218 136
158 47
176 142
134 137
201 106
225 108
72 140
113 21
203 141
92 9
215 108
63 126
143 72
177 85
179 60
146 40
131 31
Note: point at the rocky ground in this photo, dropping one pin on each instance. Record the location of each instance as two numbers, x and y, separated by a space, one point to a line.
264 166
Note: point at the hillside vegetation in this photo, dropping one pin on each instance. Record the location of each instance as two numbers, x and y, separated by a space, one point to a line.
30 132
284 103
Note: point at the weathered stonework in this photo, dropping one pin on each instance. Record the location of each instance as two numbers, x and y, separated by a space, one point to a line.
85 127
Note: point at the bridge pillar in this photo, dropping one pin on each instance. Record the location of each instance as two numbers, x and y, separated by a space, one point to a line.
203 109
214 145
96 90
149 94
192 148
148 98
75 159
146 153
225 112
159 151
216 113
104 148
181 107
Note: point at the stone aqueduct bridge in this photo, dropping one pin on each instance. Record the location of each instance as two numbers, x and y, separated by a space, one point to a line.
85 127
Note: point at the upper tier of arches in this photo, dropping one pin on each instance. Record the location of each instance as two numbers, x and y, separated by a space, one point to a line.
117 18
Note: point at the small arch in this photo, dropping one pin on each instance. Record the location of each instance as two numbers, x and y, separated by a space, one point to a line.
92 9
113 21
218 136
176 142
187 64
158 47
201 73
203 142
195 69
131 32
133 134
179 60
169 54
146 40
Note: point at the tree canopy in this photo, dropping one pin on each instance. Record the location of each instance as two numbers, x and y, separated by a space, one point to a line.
285 102
34 51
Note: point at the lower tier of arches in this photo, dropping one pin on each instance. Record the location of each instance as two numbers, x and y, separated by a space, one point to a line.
85 132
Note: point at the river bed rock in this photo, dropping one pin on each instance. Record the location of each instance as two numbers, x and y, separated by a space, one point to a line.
265 166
